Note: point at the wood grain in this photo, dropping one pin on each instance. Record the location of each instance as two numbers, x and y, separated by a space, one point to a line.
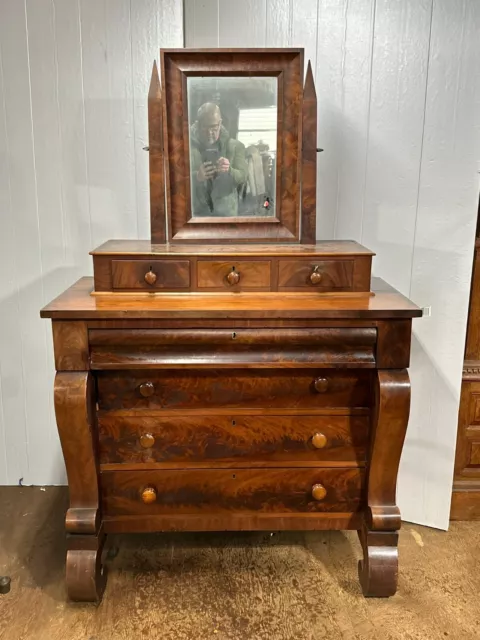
158 219
70 344
309 160
169 274
231 439
210 389
74 398
294 275
252 274
212 491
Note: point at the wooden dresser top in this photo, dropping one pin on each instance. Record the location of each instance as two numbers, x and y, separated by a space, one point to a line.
77 302
327 248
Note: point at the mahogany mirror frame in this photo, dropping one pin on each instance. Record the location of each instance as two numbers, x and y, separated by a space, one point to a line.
176 66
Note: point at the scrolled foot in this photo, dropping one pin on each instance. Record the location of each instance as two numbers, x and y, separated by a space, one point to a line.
86 576
378 571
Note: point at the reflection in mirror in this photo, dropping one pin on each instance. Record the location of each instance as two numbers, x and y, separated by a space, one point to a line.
233 145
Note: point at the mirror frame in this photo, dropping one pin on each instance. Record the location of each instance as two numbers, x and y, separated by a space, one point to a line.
176 66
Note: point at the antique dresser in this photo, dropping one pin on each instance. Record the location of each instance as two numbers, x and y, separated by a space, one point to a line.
231 374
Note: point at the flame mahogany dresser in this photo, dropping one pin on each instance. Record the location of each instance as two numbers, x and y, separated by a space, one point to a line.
231 374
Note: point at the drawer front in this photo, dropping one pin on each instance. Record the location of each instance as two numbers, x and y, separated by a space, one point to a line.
220 491
327 275
230 439
259 348
150 275
206 388
241 275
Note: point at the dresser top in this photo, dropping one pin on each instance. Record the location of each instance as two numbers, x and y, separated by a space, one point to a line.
78 303
337 248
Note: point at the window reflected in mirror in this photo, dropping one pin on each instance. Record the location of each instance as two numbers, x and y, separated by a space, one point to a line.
233 145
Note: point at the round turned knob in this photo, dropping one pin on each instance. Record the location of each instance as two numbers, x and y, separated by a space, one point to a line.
147 389
318 492
320 385
149 495
233 277
315 276
150 277
319 440
147 440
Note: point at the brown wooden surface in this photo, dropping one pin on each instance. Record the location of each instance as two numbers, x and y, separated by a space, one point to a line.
158 220
77 303
389 426
145 248
70 343
217 491
294 275
231 439
169 274
378 571
309 160
287 64
74 398
209 389
251 274
261 348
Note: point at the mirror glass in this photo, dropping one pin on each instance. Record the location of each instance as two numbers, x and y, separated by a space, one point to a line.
233 145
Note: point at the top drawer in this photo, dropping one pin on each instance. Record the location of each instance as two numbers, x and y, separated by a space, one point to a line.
325 275
240 275
152 275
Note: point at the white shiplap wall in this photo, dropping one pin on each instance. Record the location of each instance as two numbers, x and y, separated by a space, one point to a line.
398 86
74 78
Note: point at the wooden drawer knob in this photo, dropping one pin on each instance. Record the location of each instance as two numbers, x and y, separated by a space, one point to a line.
149 495
319 440
233 277
147 440
318 492
315 276
150 277
147 389
321 385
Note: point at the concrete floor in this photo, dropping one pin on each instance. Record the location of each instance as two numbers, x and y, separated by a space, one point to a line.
290 586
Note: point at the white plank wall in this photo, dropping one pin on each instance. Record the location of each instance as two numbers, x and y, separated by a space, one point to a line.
398 85
74 78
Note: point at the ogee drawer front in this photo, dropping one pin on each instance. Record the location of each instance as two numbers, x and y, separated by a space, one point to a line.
206 388
187 491
239 438
150 274
149 348
327 275
240 274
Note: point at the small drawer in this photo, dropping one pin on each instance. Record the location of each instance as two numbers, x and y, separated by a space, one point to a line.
234 275
221 491
207 388
326 275
150 275
232 439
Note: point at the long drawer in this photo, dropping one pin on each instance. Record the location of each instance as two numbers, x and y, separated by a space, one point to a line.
232 439
235 388
220 491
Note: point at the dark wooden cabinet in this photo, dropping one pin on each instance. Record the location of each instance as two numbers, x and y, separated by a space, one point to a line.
226 386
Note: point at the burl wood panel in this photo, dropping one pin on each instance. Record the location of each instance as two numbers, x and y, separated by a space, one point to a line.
294 275
285 64
169 274
236 439
250 348
158 221
251 274
210 491
183 388
70 344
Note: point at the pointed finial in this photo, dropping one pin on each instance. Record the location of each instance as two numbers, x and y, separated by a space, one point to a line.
309 87
155 90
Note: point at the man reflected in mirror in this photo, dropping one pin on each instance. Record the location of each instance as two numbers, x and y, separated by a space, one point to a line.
218 165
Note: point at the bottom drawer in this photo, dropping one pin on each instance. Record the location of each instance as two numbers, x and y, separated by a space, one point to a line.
231 491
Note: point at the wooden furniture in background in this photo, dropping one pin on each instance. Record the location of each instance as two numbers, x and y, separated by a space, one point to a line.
466 483
225 386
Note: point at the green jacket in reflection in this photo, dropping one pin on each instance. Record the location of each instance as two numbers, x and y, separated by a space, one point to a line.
215 182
